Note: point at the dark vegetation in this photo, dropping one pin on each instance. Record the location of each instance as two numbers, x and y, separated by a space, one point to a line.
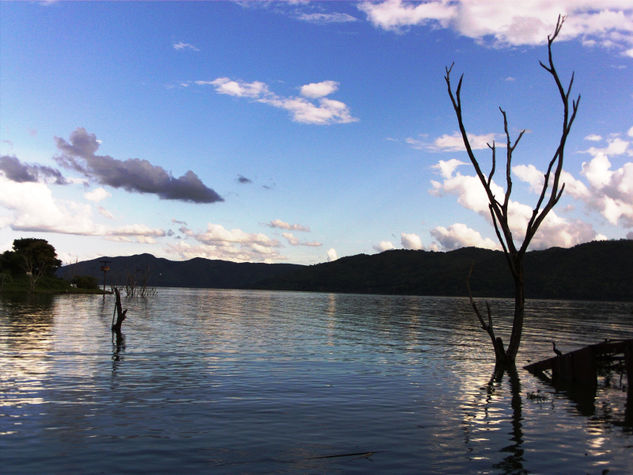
31 266
600 270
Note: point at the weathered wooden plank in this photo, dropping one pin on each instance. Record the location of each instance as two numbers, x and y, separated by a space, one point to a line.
580 366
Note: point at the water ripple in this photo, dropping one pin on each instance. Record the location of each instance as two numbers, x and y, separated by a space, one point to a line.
258 382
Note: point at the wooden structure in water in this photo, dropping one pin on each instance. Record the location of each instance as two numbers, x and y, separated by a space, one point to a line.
580 367
577 371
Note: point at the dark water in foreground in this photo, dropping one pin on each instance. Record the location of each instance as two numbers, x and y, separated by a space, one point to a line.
223 381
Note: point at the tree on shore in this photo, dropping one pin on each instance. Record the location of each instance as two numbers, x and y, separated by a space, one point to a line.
37 258
551 192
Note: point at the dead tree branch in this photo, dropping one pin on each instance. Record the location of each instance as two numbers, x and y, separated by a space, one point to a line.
551 192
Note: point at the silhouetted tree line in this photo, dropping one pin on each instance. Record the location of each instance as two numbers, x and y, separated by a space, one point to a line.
600 270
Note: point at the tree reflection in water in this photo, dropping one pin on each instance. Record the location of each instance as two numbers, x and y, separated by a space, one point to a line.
513 462
118 345
483 419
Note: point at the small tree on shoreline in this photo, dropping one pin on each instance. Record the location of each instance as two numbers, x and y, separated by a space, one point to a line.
551 192
37 257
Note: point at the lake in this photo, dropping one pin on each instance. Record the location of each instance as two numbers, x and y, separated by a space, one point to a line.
232 381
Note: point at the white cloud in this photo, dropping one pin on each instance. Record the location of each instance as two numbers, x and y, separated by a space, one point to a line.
136 230
611 189
319 89
615 146
293 241
224 251
319 110
630 132
383 246
448 167
96 195
593 138
394 14
217 242
180 46
322 18
534 177
327 111
331 255
467 188
410 241
455 143
608 190
255 89
459 235
504 23
278 223
35 209
216 234
554 231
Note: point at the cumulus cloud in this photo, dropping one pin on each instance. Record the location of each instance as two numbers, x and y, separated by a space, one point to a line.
135 232
332 255
383 246
608 190
34 209
253 243
278 223
394 14
593 138
253 90
455 143
411 241
180 46
98 194
313 108
459 235
217 242
293 241
20 172
611 190
133 174
315 90
554 231
512 23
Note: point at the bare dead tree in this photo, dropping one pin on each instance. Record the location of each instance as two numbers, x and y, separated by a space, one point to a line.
120 313
551 192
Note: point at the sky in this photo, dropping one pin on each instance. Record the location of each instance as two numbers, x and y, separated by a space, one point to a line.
304 131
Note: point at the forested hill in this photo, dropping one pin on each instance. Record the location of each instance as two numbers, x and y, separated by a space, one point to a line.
601 270
159 272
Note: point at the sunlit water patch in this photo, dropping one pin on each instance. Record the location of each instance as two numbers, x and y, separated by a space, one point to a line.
225 381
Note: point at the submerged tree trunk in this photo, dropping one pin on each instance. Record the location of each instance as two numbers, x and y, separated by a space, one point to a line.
519 312
120 313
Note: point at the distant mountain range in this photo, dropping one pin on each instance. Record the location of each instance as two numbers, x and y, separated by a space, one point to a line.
600 270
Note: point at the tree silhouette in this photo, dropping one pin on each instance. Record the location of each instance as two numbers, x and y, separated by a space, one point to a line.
37 258
551 192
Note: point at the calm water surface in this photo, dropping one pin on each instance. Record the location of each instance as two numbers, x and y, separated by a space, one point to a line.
227 381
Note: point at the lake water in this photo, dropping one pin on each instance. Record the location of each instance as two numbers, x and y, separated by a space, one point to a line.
231 381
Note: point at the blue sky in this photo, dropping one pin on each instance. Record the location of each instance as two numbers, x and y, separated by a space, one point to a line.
302 131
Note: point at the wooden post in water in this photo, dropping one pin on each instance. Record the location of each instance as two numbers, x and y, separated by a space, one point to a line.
120 313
